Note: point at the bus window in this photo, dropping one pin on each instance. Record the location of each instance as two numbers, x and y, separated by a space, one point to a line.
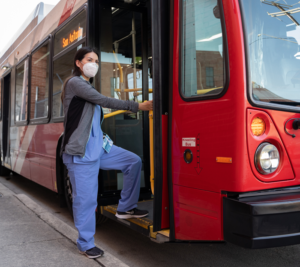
62 69
201 49
21 92
40 82
73 32
273 40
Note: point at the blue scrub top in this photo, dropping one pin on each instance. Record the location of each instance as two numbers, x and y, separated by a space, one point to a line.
94 145
95 142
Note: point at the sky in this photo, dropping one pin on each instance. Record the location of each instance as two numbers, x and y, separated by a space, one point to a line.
13 13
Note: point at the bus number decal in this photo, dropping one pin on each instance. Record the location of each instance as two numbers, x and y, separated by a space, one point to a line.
189 142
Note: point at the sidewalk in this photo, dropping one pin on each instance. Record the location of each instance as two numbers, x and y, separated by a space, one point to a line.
30 236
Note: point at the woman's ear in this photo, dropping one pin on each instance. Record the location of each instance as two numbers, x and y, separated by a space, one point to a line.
78 63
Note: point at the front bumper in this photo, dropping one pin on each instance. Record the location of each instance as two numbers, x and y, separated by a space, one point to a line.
263 219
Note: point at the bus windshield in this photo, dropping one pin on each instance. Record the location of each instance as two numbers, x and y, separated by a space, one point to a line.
273 39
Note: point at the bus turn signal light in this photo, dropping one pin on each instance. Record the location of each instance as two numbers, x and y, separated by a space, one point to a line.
188 156
258 126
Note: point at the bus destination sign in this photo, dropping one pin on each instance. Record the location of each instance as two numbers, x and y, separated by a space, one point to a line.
73 36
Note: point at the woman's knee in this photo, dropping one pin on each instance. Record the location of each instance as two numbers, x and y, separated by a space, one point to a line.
135 159
138 160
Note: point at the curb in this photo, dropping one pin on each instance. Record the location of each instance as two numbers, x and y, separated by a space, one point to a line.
107 260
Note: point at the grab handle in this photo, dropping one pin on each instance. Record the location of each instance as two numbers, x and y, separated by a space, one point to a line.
151 150
114 113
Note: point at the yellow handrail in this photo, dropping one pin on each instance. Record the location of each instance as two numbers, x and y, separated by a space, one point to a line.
204 91
132 90
151 150
114 113
120 68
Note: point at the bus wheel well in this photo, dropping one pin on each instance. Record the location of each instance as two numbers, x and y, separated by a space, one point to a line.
60 174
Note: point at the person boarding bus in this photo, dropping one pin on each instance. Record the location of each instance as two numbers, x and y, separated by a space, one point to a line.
86 149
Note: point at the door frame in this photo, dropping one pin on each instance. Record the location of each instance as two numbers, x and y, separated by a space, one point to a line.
162 37
94 40
5 95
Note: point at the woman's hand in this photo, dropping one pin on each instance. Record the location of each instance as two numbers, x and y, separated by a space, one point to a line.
145 106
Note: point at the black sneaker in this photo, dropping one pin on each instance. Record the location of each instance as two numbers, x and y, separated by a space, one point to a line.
92 253
134 213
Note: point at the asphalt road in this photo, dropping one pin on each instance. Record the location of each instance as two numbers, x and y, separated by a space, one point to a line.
137 250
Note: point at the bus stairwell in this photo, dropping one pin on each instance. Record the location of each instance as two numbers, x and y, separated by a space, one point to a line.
126 74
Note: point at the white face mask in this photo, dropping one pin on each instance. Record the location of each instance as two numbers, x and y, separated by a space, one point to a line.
90 69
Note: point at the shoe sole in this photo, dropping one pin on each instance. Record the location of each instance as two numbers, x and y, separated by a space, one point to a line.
90 257
129 216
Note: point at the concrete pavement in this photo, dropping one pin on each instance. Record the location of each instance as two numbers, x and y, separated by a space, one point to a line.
137 250
31 236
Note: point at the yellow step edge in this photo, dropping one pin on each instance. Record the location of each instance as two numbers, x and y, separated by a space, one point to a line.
143 222
165 232
152 234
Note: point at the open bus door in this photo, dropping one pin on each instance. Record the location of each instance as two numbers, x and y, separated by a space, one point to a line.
124 75
122 32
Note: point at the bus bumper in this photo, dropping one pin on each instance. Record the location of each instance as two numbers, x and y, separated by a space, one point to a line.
262 221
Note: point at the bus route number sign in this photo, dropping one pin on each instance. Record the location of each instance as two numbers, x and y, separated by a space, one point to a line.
189 142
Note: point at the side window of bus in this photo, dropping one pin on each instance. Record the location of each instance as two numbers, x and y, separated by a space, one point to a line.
21 92
71 35
202 72
40 82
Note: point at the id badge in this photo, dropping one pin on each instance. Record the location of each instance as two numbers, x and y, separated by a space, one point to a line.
107 143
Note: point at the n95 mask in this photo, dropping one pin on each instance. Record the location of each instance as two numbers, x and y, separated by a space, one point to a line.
90 69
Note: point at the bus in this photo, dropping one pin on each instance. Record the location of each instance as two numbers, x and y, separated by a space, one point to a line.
220 150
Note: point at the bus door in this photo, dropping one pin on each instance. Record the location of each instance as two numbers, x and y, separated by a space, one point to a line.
125 75
199 102
5 115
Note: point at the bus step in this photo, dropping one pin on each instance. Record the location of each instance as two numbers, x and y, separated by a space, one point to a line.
141 225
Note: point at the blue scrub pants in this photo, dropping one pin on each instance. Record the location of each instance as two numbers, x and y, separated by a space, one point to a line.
84 180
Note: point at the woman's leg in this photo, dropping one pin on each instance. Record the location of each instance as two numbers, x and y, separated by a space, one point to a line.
130 164
84 180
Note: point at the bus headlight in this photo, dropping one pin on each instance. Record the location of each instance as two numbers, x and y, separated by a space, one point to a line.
267 158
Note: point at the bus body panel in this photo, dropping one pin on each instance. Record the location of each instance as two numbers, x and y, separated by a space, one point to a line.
33 152
199 216
220 128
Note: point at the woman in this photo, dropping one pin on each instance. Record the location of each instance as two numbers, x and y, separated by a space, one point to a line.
85 151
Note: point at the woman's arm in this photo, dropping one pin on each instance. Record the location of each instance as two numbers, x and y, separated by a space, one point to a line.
84 90
148 105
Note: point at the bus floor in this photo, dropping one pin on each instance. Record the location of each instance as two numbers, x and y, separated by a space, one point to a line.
143 225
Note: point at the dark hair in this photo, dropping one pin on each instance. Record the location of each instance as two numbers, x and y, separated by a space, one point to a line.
80 54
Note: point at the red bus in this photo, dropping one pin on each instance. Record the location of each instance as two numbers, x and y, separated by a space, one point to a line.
220 151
